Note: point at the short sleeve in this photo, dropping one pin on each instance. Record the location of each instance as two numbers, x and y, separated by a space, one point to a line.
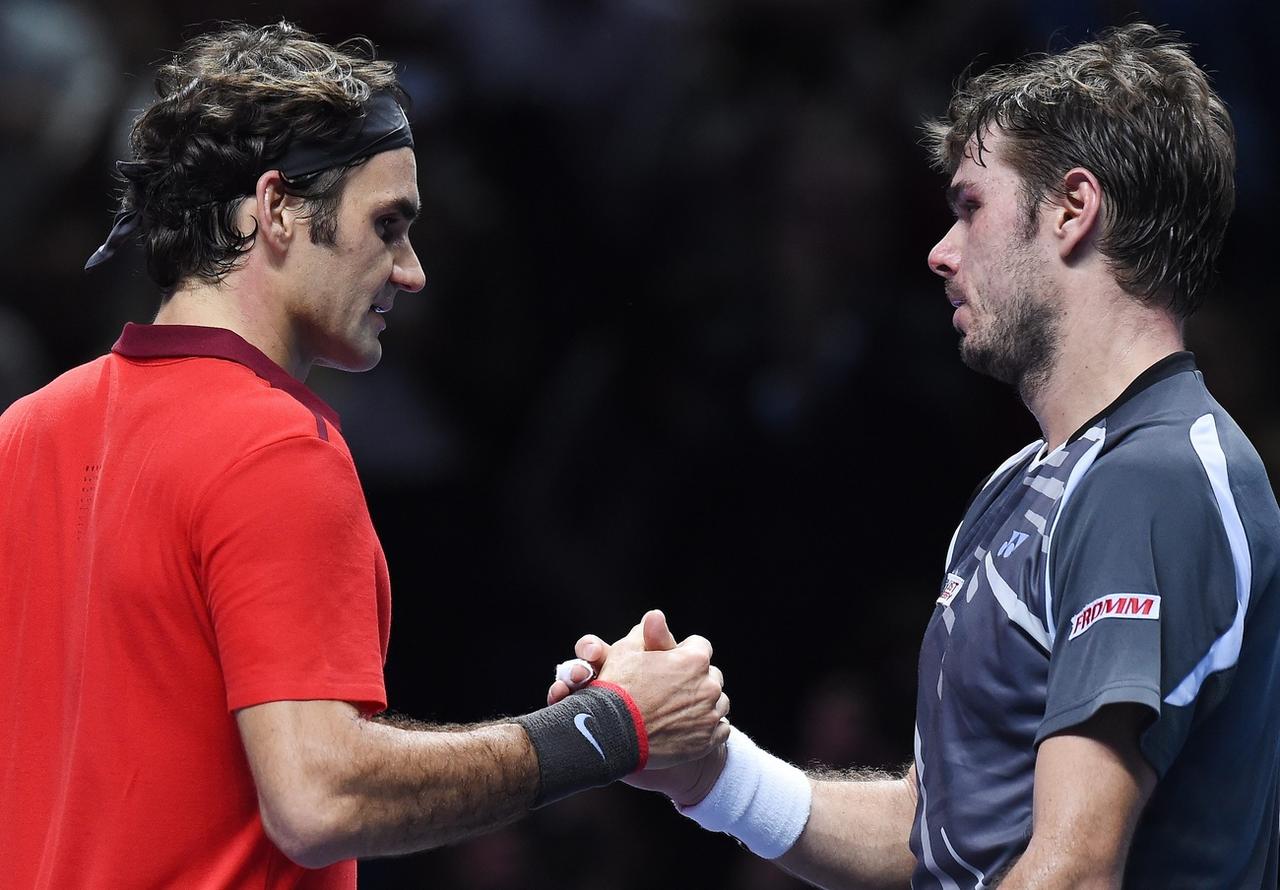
289 563
1142 583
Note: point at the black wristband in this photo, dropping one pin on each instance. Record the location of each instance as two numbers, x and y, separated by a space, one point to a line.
591 738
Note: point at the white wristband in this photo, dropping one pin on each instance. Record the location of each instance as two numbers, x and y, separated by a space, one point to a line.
759 799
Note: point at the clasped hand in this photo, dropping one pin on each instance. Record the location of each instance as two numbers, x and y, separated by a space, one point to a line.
680 694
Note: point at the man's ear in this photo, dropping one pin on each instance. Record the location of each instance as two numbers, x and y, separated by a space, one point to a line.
1077 211
276 212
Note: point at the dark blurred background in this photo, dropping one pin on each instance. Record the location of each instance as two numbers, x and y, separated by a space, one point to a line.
679 346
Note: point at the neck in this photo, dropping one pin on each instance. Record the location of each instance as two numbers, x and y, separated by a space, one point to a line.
1106 343
246 311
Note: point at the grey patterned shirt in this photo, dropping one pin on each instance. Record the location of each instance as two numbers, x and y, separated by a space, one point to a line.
1136 563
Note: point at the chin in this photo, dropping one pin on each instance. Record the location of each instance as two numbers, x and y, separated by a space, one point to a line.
354 362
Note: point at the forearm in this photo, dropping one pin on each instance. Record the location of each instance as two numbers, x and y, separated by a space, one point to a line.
354 788
1030 874
857 834
412 790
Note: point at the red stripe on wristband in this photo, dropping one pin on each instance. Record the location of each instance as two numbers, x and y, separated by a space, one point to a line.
642 734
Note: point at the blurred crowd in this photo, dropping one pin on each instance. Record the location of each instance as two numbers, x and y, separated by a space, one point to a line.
678 346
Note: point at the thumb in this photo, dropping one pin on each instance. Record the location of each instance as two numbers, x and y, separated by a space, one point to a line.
657 636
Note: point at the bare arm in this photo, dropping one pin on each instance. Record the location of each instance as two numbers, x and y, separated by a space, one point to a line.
333 785
1090 788
857 833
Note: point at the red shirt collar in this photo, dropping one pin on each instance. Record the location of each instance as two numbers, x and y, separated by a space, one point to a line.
189 341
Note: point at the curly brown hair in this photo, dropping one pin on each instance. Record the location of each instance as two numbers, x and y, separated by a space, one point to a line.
229 102
1133 108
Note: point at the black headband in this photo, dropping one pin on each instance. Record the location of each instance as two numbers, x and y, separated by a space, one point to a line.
382 127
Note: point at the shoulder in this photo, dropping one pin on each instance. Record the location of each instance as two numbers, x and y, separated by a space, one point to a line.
256 448
1141 472
67 389
227 406
203 418
238 392
1172 464
1170 443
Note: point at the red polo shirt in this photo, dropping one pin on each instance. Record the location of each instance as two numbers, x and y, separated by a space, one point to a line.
183 535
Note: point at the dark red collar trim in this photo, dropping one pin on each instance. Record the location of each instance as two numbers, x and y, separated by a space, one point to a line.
190 341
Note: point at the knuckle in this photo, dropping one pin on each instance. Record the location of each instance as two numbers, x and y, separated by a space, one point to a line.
687 660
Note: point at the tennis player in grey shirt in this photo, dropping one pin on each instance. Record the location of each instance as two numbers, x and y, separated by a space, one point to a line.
1134 565
1099 696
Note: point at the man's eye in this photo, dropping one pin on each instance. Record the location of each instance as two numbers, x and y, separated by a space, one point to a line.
388 229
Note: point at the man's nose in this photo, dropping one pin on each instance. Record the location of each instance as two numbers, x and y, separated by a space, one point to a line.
407 274
944 258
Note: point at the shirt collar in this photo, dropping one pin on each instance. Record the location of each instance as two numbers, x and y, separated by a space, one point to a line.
1174 363
191 341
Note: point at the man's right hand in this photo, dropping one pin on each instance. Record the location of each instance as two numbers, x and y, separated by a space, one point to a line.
671 683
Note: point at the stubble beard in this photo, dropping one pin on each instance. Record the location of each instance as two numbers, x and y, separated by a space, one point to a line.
1020 334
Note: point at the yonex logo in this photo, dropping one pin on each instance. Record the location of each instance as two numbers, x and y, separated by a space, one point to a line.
1007 548
580 721
1116 605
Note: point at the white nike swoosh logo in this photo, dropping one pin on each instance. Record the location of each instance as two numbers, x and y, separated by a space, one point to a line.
580 721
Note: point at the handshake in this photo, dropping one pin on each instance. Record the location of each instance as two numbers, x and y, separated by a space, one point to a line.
653 712
675 697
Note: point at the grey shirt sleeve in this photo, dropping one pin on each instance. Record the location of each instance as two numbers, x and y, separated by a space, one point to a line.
1141 582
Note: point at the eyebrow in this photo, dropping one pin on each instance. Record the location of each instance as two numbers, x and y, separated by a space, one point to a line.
954 192
403 206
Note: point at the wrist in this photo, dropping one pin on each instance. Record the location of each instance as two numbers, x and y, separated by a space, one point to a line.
591 738
759 799
707 774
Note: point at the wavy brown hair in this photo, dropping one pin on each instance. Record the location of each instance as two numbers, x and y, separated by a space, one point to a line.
1133 108
229 103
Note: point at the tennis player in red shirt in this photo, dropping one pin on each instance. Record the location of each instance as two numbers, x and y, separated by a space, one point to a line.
194 606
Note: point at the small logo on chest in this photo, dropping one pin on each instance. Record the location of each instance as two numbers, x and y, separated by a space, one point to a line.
1007 548
950 588
1115 605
